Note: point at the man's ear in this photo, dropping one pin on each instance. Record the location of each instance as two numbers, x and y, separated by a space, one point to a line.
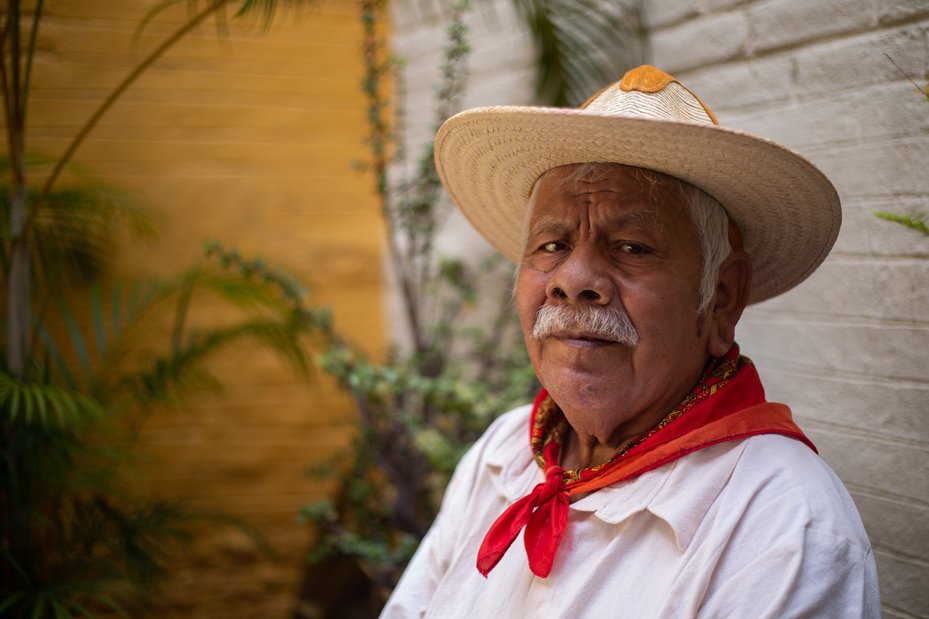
729 299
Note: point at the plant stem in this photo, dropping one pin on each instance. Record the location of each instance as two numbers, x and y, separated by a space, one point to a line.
18 288
114 96
379 141
30 55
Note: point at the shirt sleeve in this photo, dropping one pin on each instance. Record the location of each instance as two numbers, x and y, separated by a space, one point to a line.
411 596
809 574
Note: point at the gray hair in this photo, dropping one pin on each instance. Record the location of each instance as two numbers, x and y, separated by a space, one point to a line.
707 214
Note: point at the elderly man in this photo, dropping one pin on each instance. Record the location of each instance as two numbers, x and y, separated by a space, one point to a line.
650 478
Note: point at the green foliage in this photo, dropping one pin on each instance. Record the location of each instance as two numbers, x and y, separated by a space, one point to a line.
74 230
582 45
46 406
916 221
86 364
913 222
464 362
422 408
75 538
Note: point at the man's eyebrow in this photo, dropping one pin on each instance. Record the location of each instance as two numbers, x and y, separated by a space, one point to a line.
631 217
550 225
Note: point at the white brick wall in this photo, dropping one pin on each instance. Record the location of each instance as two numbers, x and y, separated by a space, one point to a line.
501 73
849 348
501 59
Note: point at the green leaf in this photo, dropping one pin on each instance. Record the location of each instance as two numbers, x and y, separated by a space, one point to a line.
96 313
9 558
78 607
76 337
15 397
59 610
39 607
10 600
110 603
32 402
54 352
916 222
41 404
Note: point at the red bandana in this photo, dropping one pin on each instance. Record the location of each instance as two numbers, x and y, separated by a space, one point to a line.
727 404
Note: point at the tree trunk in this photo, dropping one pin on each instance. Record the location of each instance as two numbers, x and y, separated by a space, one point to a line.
18 294
18 286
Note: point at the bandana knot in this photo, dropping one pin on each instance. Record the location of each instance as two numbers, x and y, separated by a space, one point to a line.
726 404
551 485
544 515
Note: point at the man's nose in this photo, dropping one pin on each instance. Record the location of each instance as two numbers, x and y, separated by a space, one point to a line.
583 277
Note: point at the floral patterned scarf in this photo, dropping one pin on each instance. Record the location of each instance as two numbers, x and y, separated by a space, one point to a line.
726 404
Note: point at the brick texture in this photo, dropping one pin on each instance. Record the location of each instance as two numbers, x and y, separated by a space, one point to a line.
703 40
781 23
847 348
662 14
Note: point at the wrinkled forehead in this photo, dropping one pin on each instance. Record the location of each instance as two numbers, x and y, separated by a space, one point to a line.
583 177
647 189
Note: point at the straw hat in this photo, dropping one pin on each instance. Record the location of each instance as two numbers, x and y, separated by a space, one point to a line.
786 209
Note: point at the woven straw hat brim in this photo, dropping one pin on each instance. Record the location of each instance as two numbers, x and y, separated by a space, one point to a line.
786 209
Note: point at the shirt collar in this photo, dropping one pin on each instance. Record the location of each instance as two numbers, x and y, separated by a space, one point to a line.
670 492
692 485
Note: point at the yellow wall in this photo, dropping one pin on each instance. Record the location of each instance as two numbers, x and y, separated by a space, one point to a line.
247 138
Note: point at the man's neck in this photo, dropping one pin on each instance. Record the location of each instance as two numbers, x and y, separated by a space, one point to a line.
581 452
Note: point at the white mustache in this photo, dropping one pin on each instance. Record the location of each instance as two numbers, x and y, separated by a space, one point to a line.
608 323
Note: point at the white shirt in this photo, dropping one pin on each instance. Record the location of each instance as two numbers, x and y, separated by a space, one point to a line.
757 528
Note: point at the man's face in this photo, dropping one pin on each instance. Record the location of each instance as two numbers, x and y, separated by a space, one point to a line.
618 241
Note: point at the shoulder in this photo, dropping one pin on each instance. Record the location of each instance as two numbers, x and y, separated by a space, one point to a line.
766 492
790 540
794 486
764 489
785 502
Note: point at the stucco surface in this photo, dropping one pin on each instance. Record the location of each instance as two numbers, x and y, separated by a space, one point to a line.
848 347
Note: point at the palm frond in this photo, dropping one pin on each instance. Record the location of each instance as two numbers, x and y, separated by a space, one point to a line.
582 45
80 608
246 290
14 564
165 379
11 600
45 405
38 609
76 337
75 229
116 317
101 554
63 600
263 11
266 10
97 317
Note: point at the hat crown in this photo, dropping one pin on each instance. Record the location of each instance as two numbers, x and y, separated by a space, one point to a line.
787 211
645 78
647 92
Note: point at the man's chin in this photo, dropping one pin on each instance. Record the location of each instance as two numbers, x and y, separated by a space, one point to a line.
585 384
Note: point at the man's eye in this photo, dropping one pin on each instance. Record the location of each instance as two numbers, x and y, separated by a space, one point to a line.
552 246
633 248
